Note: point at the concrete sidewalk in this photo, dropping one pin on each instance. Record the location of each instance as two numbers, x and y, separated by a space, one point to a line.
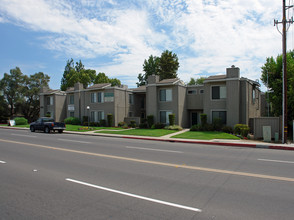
168 138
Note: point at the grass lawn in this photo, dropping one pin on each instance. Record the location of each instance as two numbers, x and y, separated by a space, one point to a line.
19 126
85 128
205 135
141 132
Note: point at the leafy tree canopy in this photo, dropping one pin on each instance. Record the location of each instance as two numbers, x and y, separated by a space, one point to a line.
166 66
102 78
74 73
21 92
198 81
272 77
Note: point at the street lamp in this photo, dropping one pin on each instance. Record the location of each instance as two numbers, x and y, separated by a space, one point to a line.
88 108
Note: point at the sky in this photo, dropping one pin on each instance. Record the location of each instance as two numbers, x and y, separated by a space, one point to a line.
116 36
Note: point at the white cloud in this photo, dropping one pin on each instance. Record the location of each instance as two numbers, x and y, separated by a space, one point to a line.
208 36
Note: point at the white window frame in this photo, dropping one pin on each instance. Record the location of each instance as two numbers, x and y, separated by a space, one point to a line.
168 95
222 92
108 98
93 97
167 113
193 92
101 94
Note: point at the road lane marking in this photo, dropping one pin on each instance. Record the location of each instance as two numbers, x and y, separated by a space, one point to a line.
2 161
277 161
22 135
204 169
135 196
82 142
152 149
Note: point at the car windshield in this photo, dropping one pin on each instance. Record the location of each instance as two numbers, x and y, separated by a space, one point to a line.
48 120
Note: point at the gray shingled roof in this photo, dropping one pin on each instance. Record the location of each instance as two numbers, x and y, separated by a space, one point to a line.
140 89
216 77
166 81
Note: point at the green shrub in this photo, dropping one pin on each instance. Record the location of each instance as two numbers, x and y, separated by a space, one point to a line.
103 123
68 120
85 119
227 129
21 121
150 120
132 124
125 126
245 131
121 124
196 128
172 119
159 125
238 127
109 119
174 127
217 124
143 125
76 121
48 115
203 119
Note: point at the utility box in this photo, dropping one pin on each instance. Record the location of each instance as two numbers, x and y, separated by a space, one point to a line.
267 137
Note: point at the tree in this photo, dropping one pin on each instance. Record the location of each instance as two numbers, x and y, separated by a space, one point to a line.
11 85
198 81
30 104
150 66
165 66
21 92
102 78
272 72
76 73
168 65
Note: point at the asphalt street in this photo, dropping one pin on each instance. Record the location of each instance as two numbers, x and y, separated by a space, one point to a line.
65 176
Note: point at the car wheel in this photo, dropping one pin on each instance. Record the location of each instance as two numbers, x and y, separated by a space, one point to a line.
32 128
47 130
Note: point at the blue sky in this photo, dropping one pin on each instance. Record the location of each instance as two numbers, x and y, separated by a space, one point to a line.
116 36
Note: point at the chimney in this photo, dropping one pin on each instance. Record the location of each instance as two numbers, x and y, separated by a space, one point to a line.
233 72
153 79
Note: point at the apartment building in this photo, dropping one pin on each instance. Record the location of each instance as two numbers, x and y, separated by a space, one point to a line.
230 97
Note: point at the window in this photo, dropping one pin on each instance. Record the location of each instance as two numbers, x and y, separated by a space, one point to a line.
108 97
131 99
253 96
97 116
71 99
142 114
201 91
165 95
93 97
218 92
164 117
50 100
143 102
100 97
220 114
130 114
72 114
191 92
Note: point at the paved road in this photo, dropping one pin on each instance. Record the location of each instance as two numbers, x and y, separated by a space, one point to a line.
62 176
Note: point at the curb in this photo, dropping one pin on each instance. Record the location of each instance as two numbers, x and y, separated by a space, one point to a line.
228 144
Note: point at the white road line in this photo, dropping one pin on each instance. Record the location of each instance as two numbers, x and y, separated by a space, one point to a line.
152 149
277 161
136 196
2 161
82 142
22 135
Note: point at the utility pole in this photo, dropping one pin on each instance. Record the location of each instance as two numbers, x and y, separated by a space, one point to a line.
284 37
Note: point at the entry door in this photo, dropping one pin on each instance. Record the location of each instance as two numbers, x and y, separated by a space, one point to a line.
194 118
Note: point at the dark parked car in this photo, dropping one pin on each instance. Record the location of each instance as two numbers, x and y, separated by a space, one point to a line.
47 124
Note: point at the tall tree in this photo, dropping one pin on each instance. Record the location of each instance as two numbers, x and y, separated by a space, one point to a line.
150 67
196 81
168 65
74 73
11 85
272 77
30 104
102 78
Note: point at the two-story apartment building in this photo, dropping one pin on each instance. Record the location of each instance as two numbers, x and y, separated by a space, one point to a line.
230 97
